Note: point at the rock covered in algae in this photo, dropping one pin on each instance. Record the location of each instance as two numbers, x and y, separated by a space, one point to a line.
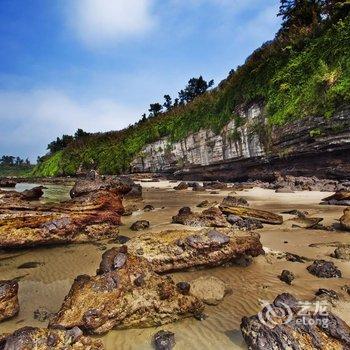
125 293
9 305
49 339
182 249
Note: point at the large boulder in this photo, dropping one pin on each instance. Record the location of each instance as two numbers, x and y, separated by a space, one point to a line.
9 305
285 325
211 217
250 213
182 249
125 293
44 339
345 220
88 217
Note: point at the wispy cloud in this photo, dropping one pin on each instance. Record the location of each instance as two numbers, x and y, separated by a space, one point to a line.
99 23
42 115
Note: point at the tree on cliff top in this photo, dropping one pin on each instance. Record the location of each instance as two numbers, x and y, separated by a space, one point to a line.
194 88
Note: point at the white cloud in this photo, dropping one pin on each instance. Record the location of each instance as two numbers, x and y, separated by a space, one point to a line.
106 22
30 120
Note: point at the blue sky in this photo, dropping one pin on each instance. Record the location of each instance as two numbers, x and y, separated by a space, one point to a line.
98 64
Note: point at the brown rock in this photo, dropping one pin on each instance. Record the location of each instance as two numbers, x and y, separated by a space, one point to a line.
287 276
342 253
113 298
9 305
181 186
140 225
211 217
231 201
281 325
7 183
324 269
250 213
33 194
43 339
182 249
345 220
339 198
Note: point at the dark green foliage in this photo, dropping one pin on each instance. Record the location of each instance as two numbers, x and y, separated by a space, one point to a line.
305 74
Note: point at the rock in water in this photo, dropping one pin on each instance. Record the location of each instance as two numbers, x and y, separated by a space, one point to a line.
182 249
9 305
128 295
287 276
211 290
342 253
85 218
324 269
164 340
44 339
139 225
250 213
211 217
345 220
33 194
281 326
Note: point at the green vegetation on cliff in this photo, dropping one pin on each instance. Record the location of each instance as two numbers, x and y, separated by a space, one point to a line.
304 71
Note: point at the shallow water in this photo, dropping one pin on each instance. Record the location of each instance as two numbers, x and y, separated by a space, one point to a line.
47 284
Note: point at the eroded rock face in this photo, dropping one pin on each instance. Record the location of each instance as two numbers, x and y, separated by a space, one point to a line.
9 305
250 213
345 220
211 217
182 249
125 293
43 339
87 217
288 328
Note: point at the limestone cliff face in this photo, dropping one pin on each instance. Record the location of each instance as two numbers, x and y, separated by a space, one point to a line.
254 150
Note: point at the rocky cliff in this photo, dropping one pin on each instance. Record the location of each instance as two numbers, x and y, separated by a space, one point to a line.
252 149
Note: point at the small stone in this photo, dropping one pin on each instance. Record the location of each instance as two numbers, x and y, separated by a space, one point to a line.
122 239
200 316
148 207
164 340
119 260
42 315
323 292
287 277
183 287
140 225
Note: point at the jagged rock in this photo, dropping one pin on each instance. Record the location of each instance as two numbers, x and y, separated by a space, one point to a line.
324 269
211 290
345 220
231 201
342 253
244 224
85 218
33 194
304 222
125 293
338 198
250 213
211 217
148 207
182 249
7 183
281 326
181 186
43 339
140 225
163 340
287 276
9 305
327 293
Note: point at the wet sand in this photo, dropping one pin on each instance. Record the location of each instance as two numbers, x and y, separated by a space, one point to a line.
47 284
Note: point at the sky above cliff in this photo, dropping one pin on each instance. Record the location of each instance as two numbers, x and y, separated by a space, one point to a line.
98 64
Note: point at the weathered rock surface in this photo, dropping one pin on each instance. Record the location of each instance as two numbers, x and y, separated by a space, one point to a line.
211 290
28 338
140 225
342 253
163 340
282 326
345 220
231 201
211 217
9 305
92 214
181 186
287 276
125 293
33 194
304 222
7 183
338 198
250 213
182 249
324 269
244 224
